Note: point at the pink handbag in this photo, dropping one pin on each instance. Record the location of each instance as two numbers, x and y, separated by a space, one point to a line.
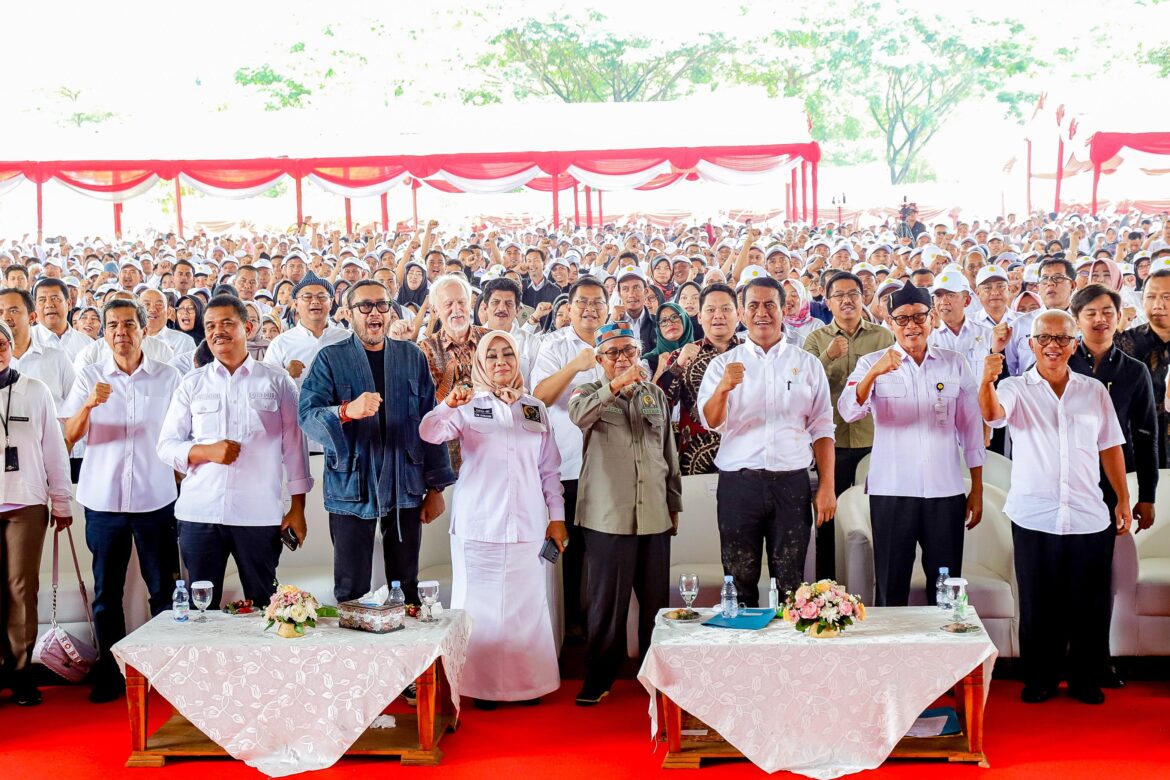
59 650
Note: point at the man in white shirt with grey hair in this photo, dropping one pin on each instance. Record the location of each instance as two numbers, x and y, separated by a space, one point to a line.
1064 433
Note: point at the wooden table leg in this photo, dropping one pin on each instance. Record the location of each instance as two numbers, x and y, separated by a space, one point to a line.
136 702
672 718
972 691
427 754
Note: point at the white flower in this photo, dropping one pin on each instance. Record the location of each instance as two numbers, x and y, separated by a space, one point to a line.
298 613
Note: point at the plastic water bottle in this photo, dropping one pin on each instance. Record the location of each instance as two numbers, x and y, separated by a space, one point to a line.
773 594
397 604
180 602
729 597
942 594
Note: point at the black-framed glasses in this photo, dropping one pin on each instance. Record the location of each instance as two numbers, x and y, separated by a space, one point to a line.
902 320
613 354
670 319
1046 339
365 307
852 295
1054 280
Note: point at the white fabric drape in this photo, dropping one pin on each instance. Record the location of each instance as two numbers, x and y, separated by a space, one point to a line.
620 181
8 185
110 197
224 192
490 186
355 192
709 171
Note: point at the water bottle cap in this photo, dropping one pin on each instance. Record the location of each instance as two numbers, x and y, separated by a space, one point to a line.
728 578
944 570
180 583
395 584
772 582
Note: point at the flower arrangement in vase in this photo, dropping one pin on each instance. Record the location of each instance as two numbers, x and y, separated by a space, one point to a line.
291 609
822 609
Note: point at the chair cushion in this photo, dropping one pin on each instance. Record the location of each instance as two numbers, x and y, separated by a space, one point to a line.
990 594
1153 588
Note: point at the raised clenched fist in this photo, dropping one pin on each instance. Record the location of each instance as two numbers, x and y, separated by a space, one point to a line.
732 376
365 405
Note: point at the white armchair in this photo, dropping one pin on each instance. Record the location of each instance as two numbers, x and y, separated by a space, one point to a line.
1141 583
996 471
987 563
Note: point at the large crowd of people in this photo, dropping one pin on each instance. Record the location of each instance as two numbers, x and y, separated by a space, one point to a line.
565 381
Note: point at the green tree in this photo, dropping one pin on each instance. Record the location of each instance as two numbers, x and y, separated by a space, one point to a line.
77 113
574 60
306 69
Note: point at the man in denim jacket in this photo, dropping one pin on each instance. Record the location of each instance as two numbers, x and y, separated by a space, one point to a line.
377 469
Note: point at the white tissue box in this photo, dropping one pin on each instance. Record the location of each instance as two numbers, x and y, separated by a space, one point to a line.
361 617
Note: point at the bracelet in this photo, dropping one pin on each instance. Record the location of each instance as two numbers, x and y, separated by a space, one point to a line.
341 413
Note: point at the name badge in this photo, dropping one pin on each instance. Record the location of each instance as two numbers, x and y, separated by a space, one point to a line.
483 412
14 418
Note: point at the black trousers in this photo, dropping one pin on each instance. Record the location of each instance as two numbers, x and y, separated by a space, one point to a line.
617 565
844 474
206 546
900 524
573 561
353 552
111 536
1060 577
771 510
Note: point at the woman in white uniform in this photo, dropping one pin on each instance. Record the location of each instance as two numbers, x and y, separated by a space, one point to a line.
507 502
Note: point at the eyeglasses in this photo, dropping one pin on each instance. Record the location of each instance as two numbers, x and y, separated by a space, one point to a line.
672 319
902 320
589 303
1052 281
365 307
613 354
845 296
1045 339
319 298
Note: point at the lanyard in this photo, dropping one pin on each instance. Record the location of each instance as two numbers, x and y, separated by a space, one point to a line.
7 412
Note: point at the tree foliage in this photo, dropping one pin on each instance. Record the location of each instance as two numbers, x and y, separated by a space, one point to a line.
574 60
307 68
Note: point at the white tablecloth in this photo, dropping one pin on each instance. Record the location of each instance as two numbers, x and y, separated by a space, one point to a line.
819 707
288 705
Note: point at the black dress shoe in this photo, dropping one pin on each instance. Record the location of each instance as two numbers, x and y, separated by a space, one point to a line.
485 704
1087 694
1036 695
589 696
26 694
531 702
1111 679
107 690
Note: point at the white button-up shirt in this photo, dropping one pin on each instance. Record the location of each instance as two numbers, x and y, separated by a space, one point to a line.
72 341
923 416
983 318
1056 444
177 340
152 346
257 407
973 341
122 471
556 351
510 482
50 365
35 433
776 414
299 343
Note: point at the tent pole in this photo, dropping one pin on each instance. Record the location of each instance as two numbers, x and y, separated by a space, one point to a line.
792 214
787 201
556 192
600 215
300 210
385 213
804 190
815 165
589 206
40 216
414 200
118 221
348 217
576 205
1059 171
1096 181
179 206
1029 190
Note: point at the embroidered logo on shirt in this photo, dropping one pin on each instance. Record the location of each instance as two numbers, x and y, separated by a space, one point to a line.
531 413
483 413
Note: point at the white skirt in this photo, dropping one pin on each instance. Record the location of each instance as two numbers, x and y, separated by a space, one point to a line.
511 655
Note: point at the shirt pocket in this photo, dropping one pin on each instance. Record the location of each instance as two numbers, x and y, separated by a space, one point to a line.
615 429
207 419
1085 432
947 389
264 415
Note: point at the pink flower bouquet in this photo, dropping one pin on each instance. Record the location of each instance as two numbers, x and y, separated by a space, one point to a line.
293 607
823 606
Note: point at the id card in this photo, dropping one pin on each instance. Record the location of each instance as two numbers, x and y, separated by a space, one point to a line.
11 459
940 411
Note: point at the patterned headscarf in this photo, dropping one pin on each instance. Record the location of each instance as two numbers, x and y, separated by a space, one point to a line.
481 378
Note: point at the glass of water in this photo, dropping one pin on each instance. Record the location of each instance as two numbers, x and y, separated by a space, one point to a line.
201 593
688 587
428 592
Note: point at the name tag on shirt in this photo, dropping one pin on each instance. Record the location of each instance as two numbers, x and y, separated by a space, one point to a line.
267 395
14 418
483 413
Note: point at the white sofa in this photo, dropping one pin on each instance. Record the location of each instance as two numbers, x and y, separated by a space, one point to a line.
987 563
997 471
1141 583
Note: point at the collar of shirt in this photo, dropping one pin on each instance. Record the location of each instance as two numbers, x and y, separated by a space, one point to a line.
245 368
110 366
448 344
766 354
1109 359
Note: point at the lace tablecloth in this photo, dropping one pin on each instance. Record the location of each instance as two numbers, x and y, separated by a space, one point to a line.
818 707
288 705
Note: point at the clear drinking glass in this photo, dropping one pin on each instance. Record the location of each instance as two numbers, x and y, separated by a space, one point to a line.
201 593
428 592
957 589
688 587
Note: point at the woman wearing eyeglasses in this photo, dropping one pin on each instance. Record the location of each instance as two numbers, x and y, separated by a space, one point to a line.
674 331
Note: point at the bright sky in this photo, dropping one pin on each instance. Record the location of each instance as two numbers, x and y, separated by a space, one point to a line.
150 64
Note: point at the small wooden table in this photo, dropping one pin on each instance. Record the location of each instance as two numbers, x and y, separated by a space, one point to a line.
415 739
687 752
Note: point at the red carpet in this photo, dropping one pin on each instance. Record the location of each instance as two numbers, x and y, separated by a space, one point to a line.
1126 739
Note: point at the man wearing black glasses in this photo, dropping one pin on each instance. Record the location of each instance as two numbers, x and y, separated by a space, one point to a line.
1057 283
839 346
923 401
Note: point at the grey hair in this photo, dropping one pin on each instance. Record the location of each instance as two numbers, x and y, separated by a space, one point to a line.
1047 315
446 280
125 303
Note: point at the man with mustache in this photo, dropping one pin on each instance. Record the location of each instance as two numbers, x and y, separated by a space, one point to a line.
923 401
231 429
51 297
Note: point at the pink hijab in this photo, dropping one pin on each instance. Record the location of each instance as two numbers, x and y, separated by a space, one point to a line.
481 378
1114 272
